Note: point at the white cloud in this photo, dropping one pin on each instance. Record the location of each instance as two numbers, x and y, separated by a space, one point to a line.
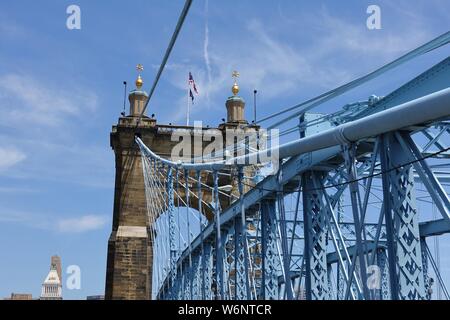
43 118
17 190
14 216
83 164
81 224
52 222
25 99
322 56
10 157
339 36
10 29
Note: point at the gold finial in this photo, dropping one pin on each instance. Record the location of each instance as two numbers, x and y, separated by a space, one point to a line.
139 81
235 88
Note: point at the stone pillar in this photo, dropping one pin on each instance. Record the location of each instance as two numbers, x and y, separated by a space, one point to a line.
130 245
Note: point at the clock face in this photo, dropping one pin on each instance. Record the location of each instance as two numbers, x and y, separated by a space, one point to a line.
147 74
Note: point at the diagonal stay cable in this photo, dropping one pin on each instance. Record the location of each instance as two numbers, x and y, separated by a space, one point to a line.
180 22
311 103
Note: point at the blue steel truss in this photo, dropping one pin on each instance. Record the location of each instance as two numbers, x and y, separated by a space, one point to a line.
341 218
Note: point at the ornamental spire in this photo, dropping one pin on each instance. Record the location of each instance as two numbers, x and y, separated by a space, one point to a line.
139 81
235 88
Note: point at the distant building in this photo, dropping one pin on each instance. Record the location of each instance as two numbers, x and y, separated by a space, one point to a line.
56 260
20 296
52 286
97 297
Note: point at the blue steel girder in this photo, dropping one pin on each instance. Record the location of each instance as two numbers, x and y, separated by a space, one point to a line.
357 211
427 284
254 245
241 259
443 228
436 139
219 251
430 81
269 285
240 264
435 189
384 291
404 249
187 281
207 270
196 275
284 244
228 258
315 252
172 224
291 169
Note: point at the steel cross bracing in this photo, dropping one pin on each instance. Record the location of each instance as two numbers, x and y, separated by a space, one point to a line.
345 217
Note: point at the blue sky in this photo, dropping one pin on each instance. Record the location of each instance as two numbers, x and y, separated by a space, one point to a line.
61 91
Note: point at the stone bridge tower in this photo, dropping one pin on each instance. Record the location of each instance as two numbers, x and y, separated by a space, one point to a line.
130 246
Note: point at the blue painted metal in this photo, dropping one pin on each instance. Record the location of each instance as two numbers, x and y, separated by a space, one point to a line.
189 281
204 269
202 249
208 271
384 293
284 242
393 276
427 279
429 257
425 109
228 259
241 259
172 225
339 269
436 190
434 228
308 105
196 277
315 252
435 79
219 285
350 159
401 214
269 286
180 282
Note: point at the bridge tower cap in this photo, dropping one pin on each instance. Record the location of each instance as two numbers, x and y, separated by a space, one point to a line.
138 97
235 104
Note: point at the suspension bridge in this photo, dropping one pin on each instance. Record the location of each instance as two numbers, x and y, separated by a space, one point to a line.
350 206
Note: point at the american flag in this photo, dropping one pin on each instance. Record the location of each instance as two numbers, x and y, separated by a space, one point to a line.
192 86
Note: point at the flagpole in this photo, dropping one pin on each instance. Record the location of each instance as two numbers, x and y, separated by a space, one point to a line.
188 97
